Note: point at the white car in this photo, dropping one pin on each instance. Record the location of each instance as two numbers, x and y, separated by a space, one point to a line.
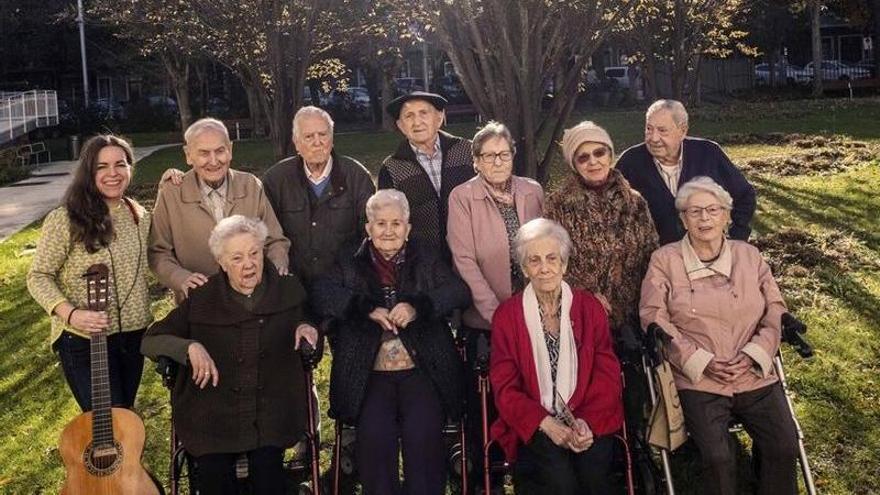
621 75
791 74
832 69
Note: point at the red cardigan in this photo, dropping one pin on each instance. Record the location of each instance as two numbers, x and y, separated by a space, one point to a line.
597 396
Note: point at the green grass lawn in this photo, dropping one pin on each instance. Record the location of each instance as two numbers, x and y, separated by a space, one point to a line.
821 233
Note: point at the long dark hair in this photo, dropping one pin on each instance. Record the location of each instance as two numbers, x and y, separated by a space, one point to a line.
90 221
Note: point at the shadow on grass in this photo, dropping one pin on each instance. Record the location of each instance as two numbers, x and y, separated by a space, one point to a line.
853 218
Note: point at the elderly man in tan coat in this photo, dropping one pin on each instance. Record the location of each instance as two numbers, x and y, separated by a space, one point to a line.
189 206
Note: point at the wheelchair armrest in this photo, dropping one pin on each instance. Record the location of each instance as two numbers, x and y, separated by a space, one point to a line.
656 336
792 334
167 368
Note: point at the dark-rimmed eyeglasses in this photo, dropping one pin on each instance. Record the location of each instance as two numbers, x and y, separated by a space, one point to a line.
598 154
697 211
489 158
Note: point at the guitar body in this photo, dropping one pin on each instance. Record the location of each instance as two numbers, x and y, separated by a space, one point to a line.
115 470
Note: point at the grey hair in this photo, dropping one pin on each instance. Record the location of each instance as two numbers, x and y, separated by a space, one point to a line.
539 228
311 111
492 129
679 114
234 225
702 184
203 125
384 198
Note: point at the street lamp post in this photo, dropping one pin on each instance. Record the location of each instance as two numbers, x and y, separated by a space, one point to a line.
82 51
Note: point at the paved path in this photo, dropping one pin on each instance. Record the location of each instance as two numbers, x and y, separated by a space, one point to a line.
29 200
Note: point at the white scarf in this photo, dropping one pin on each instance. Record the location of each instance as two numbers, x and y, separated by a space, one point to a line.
567 367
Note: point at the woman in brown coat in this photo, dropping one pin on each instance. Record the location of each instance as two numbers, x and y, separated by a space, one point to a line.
240 389
609 224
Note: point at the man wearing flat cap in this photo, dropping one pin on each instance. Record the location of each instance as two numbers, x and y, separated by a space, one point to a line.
427 166
669 158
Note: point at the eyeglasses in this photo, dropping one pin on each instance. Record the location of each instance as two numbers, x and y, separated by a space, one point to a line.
598 154
489 158
697 211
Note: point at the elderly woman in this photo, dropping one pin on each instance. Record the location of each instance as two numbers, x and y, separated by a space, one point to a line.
241 388
396 373
97 223
554 374
719 304
608 221
484 216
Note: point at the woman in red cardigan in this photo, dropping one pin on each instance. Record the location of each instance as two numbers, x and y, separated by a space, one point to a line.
554 374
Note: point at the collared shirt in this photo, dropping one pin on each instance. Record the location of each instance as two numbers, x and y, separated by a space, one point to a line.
324 174
697 268
670 175
215 198
433 164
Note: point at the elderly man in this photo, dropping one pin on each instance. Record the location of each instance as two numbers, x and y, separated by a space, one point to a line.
426 166
668 158
187 209
319 196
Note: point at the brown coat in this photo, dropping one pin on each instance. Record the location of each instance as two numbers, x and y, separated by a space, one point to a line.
261 396
613 238
182 225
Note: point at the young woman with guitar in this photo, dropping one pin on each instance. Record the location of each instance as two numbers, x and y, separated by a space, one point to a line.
97 225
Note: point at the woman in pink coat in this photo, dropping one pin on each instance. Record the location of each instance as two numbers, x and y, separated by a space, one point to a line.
484 215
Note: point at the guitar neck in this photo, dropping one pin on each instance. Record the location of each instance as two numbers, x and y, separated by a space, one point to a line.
102 419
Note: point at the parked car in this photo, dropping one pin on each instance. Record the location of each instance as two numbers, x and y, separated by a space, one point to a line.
352 98
107 109
833 69
406 85
450 87
163 104
621 74
868 65
790 73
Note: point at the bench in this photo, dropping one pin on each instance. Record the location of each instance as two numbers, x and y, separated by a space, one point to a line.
33 154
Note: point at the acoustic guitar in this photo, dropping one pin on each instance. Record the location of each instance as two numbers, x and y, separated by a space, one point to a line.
102 448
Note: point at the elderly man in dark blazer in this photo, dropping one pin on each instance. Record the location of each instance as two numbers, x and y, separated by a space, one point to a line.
427 166
668 159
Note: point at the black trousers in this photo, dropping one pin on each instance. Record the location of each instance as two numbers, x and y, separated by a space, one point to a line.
216 472
124 359
765 416
401 408
544 468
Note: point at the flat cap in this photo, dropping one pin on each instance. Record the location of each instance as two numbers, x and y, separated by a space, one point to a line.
396 104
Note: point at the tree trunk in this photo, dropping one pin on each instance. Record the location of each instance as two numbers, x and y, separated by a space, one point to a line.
177 69
255 107
816 35
388 122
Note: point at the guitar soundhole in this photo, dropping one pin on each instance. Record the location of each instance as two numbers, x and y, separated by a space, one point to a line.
102 460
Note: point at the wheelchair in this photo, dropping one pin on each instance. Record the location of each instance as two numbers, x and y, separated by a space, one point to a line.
792 334
303 464
344 467
637 475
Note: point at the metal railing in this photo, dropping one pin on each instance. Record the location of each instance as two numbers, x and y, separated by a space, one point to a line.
23 112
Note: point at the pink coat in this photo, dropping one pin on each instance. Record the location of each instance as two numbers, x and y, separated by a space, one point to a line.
478 241
715 316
